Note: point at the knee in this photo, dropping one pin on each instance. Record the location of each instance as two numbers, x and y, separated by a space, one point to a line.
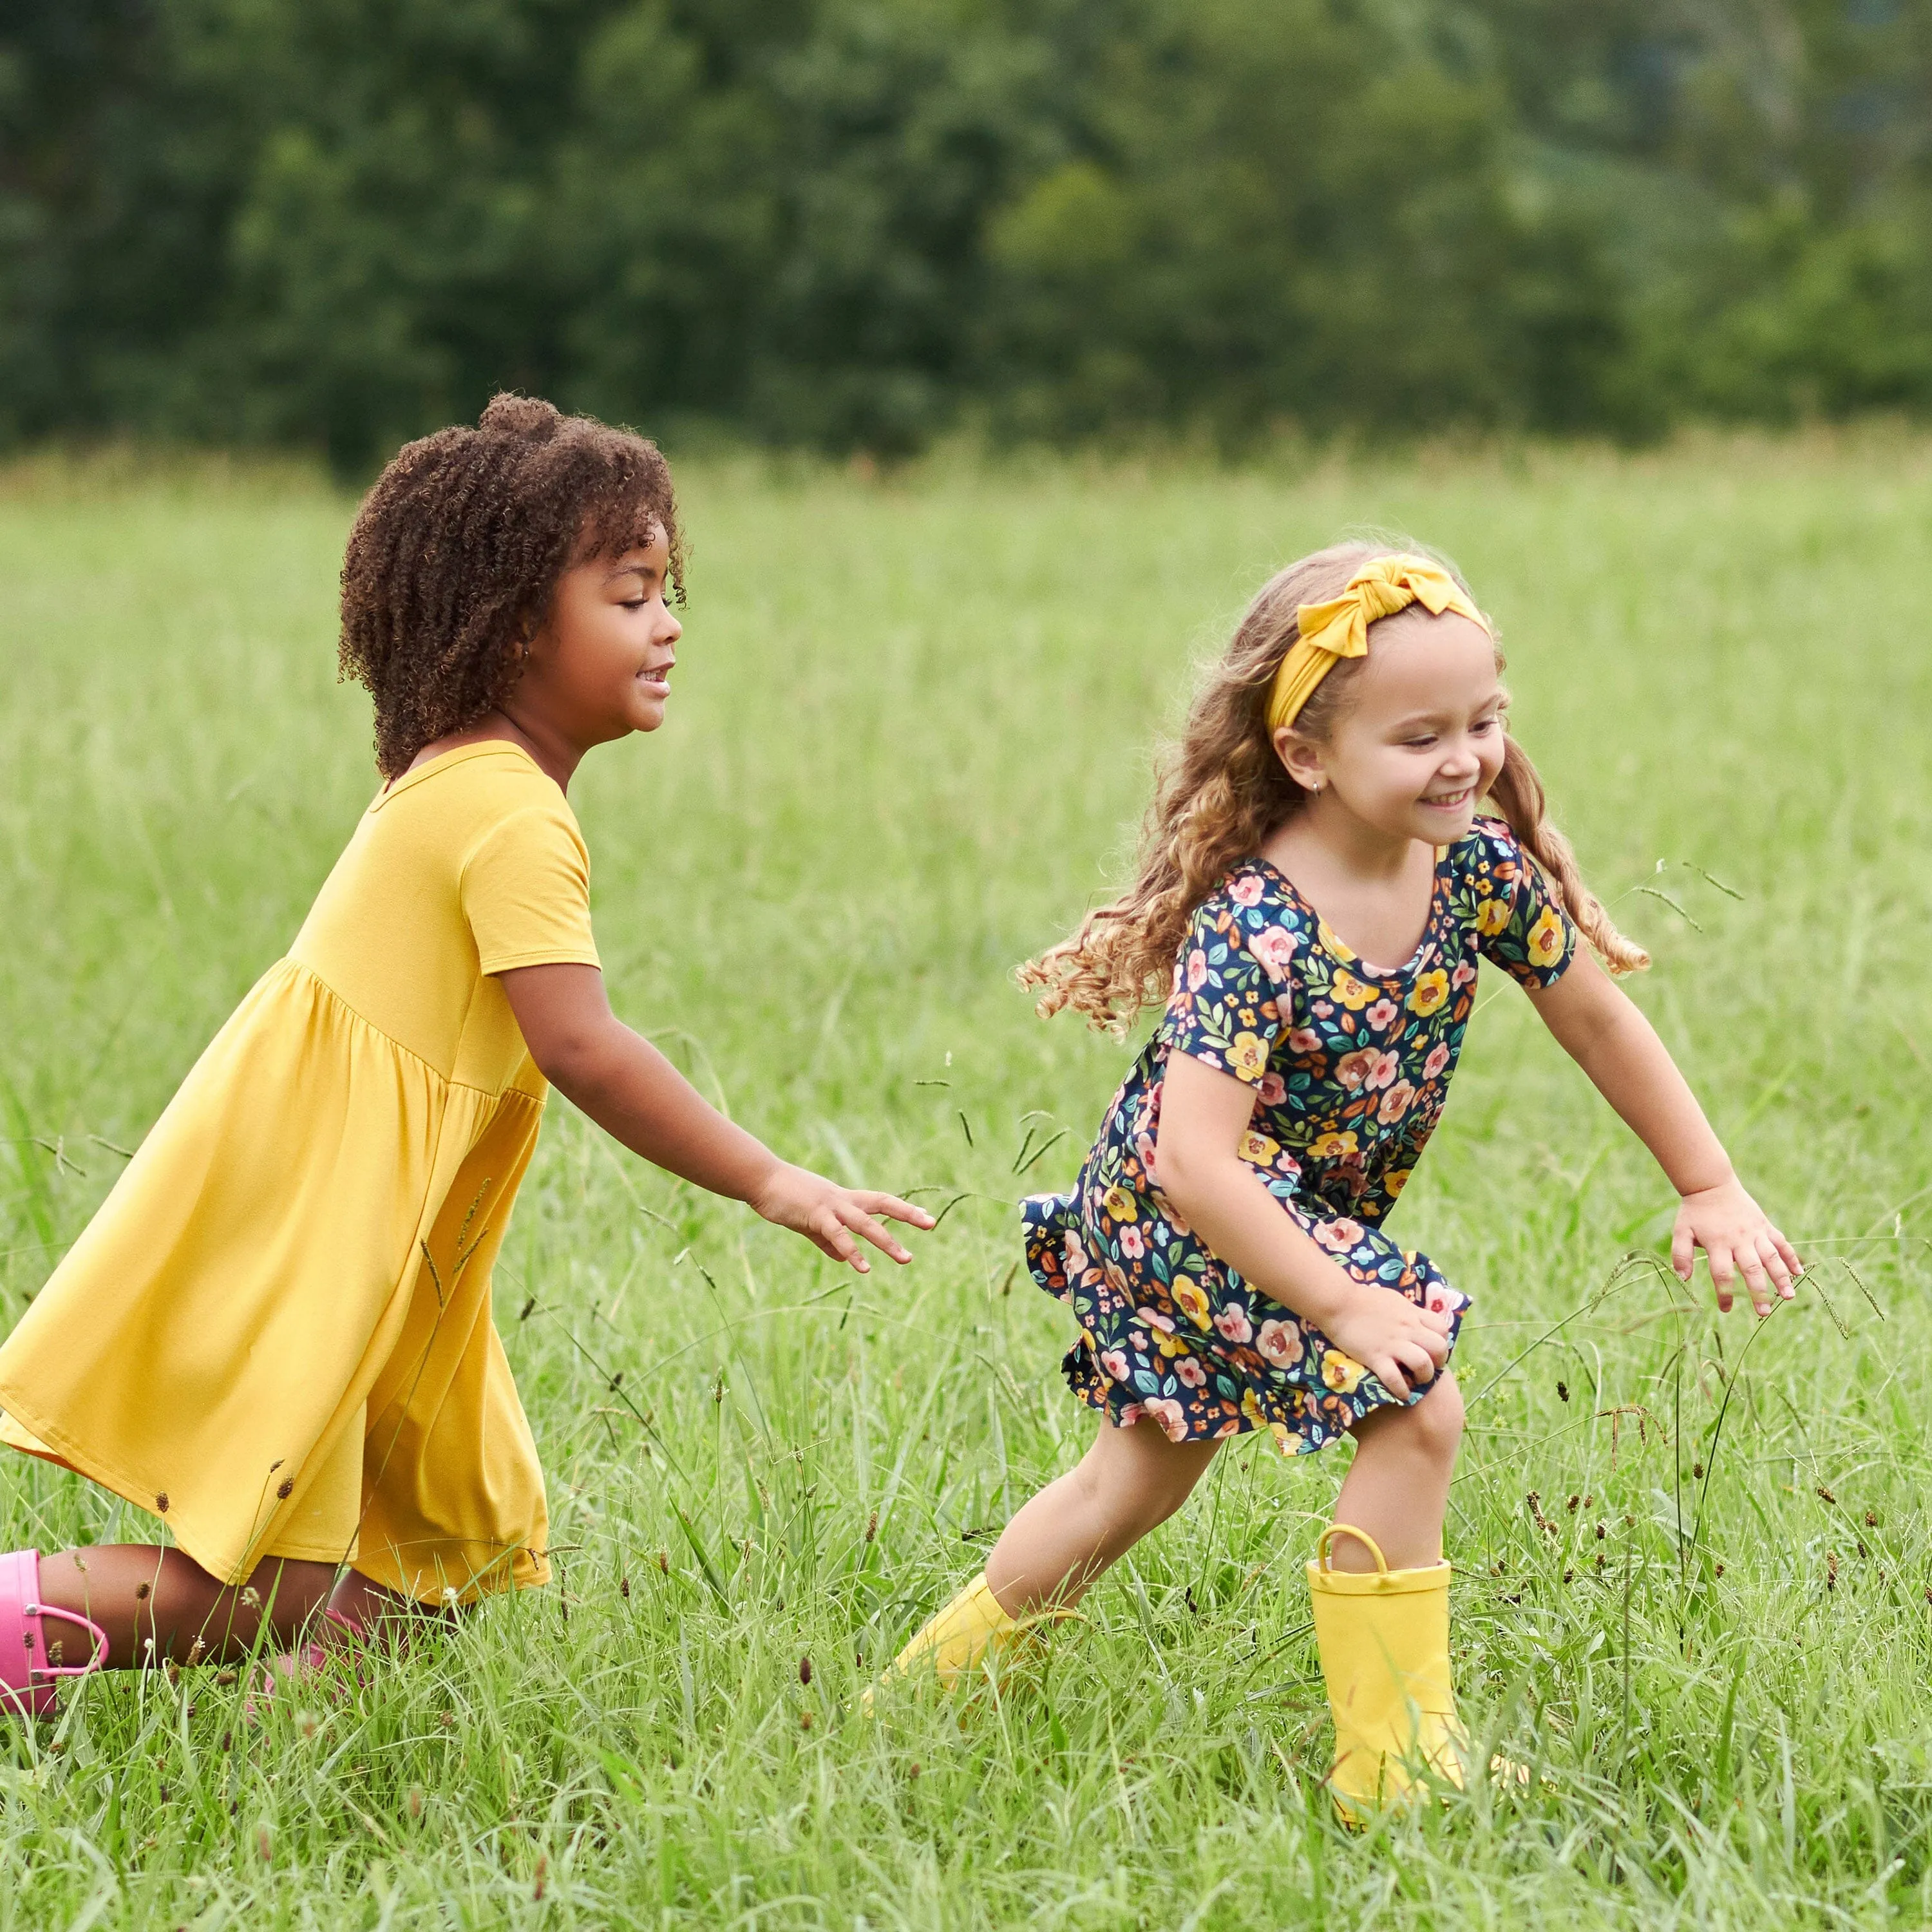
1155 1502
1435 1422
1129 1497
1117 1506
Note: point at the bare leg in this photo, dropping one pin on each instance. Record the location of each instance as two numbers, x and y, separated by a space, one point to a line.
1130 1480
157 1605
377 1614
1397 1488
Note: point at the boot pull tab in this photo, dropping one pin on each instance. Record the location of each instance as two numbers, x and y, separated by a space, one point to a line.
1323 1543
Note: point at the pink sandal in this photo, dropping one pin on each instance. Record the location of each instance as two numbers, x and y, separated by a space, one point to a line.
306 1662
29 1681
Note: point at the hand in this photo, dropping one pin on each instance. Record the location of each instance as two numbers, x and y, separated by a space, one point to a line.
1736 1235
1386 1333
829 1216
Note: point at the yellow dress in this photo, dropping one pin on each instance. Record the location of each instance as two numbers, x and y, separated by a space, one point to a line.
276 1333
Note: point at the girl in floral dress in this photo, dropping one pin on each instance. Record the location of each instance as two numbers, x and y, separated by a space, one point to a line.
1224 1251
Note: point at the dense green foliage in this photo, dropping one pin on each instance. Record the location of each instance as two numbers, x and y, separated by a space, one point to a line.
907 733
856 222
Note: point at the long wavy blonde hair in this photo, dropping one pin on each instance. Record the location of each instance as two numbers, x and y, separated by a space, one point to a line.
1222 791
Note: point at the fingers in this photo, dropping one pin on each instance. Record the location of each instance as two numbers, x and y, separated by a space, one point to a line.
829 1217
1756 1282
1416 1360
1408 1346
863 1224
829 1231
893 1208
1767 1261
1722 1273
1683 1251
1391 1377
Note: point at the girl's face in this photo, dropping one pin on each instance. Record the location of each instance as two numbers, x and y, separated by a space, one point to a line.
599 668
1422 740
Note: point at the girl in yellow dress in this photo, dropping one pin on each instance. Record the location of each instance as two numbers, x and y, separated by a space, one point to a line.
276 1334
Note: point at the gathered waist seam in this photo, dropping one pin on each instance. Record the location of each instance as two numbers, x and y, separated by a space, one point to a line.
355 1013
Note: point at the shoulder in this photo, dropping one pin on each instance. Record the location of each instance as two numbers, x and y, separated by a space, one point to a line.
1249 912
505 773
1487 838
498 792
1488 853
484 807
1248 899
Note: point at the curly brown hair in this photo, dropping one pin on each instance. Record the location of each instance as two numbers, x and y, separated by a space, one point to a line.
457 550
1223 790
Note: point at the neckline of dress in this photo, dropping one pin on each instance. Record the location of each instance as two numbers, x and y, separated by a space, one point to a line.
454 755
1333 943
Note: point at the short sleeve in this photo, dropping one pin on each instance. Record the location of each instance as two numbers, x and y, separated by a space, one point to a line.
1520 922
1227 981
527 893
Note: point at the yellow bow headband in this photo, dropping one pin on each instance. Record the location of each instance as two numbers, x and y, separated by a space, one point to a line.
1339 629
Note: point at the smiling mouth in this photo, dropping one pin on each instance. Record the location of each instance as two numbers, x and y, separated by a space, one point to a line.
1452 798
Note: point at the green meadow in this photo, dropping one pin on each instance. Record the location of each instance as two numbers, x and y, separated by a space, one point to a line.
910 738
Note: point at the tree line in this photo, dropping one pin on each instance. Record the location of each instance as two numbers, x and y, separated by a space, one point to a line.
859 224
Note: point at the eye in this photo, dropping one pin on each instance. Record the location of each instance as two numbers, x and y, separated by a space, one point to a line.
1421 743
1482 725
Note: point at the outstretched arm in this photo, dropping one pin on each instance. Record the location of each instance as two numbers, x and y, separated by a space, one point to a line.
1619 1048
637 1096
1203 1113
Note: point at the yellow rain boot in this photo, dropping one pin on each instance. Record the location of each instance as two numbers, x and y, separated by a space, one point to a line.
954 1641
1384 1637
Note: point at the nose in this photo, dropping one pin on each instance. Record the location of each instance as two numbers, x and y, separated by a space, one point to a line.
670 630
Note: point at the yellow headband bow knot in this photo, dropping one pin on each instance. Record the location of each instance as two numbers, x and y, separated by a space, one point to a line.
1339 629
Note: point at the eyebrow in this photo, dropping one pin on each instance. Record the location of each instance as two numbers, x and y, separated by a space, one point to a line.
1412 718
643 570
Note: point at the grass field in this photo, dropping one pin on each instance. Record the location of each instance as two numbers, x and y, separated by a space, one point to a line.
909 735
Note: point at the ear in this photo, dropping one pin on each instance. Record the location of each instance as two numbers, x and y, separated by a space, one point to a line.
1300 757
537 632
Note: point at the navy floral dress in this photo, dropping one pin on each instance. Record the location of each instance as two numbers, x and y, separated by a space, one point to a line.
1350 1066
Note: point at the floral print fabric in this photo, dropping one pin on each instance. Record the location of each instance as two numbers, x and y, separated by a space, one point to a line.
1350 1066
